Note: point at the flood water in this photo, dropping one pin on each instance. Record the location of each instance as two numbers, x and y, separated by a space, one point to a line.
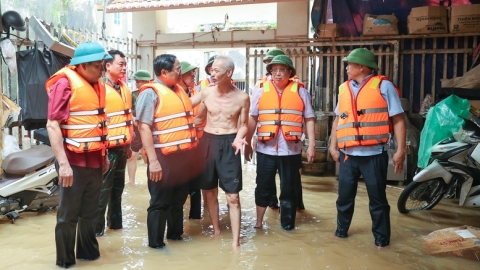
29 243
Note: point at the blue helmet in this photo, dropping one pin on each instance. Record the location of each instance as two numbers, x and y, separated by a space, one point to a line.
89 52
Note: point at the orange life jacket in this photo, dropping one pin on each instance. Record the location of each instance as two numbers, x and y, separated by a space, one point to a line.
119 114
285 113
173 123
85 129
363 121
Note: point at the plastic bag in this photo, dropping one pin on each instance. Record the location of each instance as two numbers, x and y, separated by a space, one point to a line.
442 121
8 51
34 68
10 145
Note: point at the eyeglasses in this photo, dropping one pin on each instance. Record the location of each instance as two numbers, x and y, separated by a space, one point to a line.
280 71
178 69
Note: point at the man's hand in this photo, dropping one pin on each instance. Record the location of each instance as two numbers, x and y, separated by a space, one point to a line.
398 159
106 164
248 152
335 153
65 175
238 145
311 153
155 170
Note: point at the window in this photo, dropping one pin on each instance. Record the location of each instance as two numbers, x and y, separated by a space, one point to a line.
116 18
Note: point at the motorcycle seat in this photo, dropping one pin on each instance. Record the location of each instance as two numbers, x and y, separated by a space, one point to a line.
29 160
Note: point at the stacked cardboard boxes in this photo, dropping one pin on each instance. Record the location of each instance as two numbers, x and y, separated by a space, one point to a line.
464 19
428 20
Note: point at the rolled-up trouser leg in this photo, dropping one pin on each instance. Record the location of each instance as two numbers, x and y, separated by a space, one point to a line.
265 180
87 245
114 214
288 170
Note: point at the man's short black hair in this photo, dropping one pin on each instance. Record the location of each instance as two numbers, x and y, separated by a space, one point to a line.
164 61
113 53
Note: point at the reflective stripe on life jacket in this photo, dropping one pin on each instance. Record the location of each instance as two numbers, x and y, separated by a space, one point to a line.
363 121
283 113
173 122
119 115
85 129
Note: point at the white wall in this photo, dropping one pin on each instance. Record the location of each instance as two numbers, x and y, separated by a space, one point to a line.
293 19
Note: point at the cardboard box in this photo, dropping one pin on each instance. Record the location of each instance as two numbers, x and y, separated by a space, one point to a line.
428 20
464 19
463 241
378 25
330 30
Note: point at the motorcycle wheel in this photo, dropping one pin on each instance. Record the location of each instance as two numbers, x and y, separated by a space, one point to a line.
421 195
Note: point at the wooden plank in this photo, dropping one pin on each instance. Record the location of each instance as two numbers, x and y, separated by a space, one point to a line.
455 57
412 72
434 70
465 55
445 58
422 72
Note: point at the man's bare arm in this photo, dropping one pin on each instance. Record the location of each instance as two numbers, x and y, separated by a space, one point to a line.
196 99
252 125
243 118
310 125
65 173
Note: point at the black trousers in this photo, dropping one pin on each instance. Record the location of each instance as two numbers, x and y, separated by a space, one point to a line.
374 171
288 169
300 205
167 197
197 165
112 189
77 217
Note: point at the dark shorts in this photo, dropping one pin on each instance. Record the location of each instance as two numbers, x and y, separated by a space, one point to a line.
136 144
222 167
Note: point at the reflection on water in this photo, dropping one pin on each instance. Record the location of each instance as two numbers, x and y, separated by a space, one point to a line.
29 243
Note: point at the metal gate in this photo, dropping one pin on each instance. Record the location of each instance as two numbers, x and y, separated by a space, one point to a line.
319 65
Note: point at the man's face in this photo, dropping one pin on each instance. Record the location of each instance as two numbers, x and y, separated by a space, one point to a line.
189 77
280 73
171 78
118 68
139 83
219 73
91 71
353 70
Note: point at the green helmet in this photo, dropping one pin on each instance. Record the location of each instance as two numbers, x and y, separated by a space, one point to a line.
362 56
89 52
209 64
282 60
186 67
272 53
142 75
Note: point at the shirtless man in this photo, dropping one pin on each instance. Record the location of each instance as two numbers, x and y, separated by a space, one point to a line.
225 108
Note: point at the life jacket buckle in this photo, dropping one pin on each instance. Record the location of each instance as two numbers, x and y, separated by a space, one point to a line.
101 111
358 137
278 110
277 122
360 112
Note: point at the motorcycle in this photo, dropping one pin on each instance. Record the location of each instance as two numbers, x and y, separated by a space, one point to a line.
29 181
453 171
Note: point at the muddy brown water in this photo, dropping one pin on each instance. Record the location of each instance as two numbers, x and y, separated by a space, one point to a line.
29 243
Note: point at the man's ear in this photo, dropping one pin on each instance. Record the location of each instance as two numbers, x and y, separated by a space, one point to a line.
229 72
